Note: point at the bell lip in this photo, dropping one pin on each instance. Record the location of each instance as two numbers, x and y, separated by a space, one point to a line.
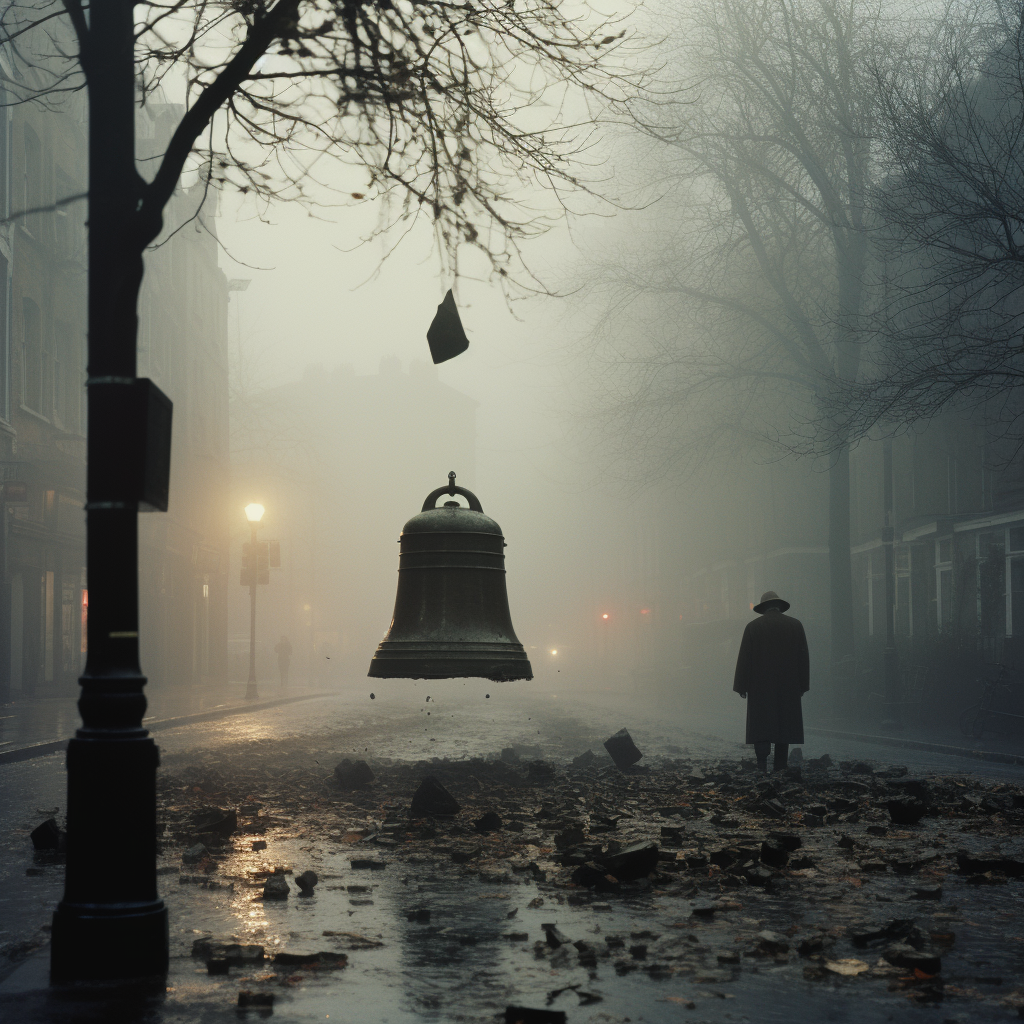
398 668
420 659
496 650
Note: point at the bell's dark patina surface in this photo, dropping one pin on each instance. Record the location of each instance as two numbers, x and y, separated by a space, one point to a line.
451 614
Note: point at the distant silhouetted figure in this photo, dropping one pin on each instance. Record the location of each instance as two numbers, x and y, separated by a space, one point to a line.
284 657
773 673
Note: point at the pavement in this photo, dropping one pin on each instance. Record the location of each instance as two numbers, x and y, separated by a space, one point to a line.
37 727
455 968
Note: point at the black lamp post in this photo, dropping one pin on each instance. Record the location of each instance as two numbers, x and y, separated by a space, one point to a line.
111 923
254 513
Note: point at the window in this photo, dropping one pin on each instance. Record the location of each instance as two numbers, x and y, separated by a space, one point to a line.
992 583
904 595
49 381
943 583
1015 604
5 321
62 216
48 627
33 178
5 149
870 596
31 357
62 373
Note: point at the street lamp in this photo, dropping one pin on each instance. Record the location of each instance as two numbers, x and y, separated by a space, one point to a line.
254 513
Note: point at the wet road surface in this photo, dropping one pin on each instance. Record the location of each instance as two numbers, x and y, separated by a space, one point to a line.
460 965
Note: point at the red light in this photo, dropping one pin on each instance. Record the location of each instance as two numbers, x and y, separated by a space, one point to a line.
605 616
645 611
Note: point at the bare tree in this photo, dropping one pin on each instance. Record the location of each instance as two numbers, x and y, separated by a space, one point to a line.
448 107
756 280
950 204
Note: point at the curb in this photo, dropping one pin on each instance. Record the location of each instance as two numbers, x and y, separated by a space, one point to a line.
56 746
935 748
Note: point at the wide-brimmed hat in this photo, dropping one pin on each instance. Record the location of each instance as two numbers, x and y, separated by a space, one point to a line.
769 599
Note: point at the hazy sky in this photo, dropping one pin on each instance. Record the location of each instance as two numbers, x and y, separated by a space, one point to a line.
318 304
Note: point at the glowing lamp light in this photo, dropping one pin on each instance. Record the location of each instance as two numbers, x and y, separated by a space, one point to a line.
554 652
254 512
605 616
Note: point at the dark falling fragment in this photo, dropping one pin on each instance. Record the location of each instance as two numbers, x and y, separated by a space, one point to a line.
373 696
446 336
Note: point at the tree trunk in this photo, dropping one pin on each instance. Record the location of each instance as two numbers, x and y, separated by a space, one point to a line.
840 571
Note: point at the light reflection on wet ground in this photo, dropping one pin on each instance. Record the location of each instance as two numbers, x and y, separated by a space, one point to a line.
459 965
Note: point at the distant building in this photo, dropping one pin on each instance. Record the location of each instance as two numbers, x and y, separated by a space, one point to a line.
182 346
958 526
958 505
340 461
42 403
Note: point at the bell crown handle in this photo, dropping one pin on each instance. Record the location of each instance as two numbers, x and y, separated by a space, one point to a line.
452 489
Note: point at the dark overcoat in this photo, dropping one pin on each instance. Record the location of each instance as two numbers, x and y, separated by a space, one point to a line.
773 670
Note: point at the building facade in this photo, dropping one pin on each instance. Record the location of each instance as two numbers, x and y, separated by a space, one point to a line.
958 513
44 421
957 605
182 346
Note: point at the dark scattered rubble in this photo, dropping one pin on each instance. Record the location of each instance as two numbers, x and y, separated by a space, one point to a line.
431 799
624 752
705 839
353 774
48 837
306 882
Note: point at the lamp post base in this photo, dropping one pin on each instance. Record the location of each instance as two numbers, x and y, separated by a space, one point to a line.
251 693
102 943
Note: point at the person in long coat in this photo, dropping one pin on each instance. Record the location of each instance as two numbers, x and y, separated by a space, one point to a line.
773 673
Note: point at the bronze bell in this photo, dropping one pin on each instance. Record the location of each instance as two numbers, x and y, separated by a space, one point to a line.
451 612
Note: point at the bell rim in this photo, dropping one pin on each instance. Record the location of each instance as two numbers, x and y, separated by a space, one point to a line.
494 670
453 648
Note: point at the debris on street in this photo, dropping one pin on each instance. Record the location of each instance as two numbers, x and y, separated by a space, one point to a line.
623 750
846 870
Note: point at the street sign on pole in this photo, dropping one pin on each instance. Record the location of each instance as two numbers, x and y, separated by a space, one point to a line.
262 564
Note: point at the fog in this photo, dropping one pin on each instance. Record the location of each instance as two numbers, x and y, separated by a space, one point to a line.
571 529
764 350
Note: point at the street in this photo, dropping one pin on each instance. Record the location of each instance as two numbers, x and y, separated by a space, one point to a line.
451 927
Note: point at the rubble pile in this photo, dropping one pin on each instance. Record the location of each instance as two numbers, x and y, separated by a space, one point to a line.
841 870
